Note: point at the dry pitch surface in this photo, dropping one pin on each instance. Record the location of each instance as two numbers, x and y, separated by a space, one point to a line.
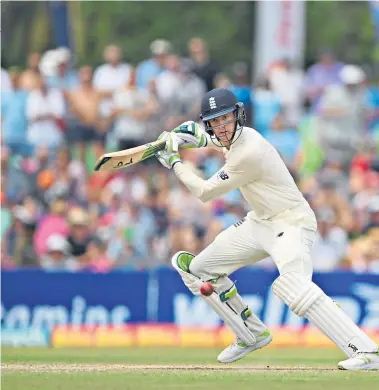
82 367
173 368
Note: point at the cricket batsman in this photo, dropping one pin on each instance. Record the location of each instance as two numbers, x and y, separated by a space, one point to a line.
281 224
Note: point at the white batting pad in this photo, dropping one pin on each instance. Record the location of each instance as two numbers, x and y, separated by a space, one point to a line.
307 300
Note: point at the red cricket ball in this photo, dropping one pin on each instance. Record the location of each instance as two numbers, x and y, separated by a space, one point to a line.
207 289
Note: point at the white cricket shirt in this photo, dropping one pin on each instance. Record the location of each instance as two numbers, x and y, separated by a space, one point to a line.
254 166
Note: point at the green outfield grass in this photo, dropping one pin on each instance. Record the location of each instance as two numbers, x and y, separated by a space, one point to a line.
174 368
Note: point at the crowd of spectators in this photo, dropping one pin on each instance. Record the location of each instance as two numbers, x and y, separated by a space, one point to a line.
57 118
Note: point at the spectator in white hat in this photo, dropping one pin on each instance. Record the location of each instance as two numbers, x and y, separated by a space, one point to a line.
149 69
80 231
63 76
58 256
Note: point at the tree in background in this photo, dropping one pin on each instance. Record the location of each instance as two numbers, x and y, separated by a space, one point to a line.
228 27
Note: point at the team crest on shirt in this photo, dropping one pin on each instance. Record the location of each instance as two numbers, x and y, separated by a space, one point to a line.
223 175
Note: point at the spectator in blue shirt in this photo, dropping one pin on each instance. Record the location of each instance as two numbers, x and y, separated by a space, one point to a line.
241 88
372 105
149 69
266 106
285 139
14 122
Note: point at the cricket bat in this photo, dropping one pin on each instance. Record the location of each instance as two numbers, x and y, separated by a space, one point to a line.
127 157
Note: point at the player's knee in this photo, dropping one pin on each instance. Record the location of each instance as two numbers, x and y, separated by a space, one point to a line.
298 266
197 267
298 292
201 268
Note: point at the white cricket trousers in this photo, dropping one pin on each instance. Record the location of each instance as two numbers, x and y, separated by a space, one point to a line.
287 238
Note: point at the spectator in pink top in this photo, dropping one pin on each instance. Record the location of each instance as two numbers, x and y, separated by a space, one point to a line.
96 257
52 223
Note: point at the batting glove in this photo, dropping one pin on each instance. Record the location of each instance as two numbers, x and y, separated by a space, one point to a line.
190 135
170 156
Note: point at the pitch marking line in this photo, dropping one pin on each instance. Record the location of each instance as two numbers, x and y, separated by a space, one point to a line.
153 367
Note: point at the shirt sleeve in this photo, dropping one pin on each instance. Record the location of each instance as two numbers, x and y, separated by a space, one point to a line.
228 178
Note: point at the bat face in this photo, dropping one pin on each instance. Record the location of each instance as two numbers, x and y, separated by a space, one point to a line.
104 163
127 157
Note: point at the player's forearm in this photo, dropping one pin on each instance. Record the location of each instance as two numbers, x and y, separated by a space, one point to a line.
196 185
219 184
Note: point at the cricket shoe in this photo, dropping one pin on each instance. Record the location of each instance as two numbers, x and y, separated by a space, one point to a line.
239 349
361 361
